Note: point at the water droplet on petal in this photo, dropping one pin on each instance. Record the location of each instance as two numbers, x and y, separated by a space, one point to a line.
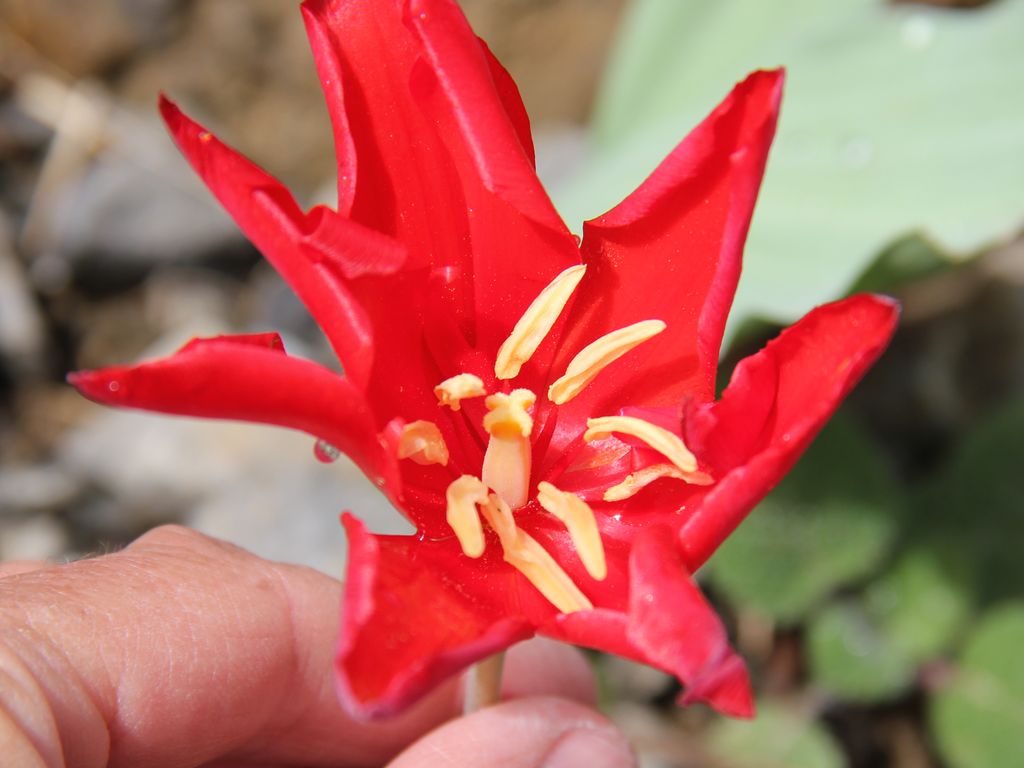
114 386
326 452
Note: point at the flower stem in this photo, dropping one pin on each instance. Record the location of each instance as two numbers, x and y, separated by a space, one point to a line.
483 683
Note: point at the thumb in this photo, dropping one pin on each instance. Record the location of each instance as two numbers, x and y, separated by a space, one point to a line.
526 733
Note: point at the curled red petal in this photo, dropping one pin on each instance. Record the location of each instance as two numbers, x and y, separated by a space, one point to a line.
775 404
671 251
316 253
408 622
249 378
667 624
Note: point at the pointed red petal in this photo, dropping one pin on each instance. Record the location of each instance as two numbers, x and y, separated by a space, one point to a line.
315 253
408 621
671 251
668 624
511 99
519 241
775 404
249 378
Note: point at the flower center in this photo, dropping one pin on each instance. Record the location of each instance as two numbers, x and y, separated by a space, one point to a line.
504 483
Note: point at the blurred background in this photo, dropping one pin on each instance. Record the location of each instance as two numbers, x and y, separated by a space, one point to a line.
878 594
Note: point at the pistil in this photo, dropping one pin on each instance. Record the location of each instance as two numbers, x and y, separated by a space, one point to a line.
506 467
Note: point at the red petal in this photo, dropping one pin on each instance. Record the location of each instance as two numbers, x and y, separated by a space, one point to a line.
249 378
315 253
519 243
775 404
671 251
508 92
668 625
409 622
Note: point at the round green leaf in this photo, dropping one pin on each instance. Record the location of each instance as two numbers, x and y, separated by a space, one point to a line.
776 738
828 523
978 720
851 658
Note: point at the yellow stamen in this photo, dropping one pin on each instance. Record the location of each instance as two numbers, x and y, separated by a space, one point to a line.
661 440
506 467
461 387
598 355
536 322
639 480
582 526
463 496
526 555
422 442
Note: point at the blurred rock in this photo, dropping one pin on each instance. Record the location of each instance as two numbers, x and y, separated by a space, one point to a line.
22 331
86 38
36 489
39 537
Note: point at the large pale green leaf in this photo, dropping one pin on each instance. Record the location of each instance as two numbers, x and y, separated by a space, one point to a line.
897 118
776 738
829 522
978 720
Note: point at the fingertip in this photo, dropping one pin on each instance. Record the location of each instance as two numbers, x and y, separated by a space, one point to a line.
538 732
543 667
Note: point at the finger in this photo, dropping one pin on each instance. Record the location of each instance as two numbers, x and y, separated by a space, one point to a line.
527 733
16 567
181 649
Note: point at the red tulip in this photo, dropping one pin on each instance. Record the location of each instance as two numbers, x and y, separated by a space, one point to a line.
541 408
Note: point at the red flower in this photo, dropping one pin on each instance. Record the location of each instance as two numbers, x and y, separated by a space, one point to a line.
578 498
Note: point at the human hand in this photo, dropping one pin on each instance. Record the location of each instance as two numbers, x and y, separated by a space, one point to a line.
182 651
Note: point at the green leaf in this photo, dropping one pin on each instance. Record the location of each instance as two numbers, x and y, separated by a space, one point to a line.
920 605
978 720
897 118
828 523
776 738
851 658
974 511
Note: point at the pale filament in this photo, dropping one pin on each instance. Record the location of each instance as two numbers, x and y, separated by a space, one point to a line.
598 355
507 460
462 497
536 323
664 442
579 520
640 479
452 391
526 555
421 441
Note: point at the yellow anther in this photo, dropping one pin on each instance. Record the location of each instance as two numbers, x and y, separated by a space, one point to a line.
664 442
536 322
526 555
639 480
461 387
580 522
463 496
598 355
422 442
507 461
